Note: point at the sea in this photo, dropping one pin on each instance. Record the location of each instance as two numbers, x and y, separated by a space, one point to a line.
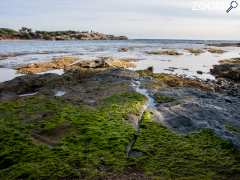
20 52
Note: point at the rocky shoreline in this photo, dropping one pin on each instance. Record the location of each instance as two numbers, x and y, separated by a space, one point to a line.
27 34
101 121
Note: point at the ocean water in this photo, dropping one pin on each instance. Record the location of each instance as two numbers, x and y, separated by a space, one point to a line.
187 64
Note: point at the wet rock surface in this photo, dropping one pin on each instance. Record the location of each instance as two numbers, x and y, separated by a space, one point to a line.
165 52
26 84
74 63
123 122
215 50
229 69
228 76
195 51
186 105
193 110
56 63
89 86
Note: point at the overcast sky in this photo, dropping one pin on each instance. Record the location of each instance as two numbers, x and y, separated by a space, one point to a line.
182 19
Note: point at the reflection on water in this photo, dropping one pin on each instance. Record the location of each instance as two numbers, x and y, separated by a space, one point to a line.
7 74
60 93
186 64
55 71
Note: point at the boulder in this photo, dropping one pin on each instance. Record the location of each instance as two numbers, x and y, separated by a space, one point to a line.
229 69
26 84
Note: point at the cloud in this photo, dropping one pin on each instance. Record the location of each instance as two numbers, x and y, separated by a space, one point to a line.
136 18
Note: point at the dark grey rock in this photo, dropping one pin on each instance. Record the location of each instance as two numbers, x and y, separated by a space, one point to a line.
196 109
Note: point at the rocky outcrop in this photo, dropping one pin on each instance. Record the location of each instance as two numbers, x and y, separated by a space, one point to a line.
81 85
97 113
165 52
194 51
228 69
187 105
26 33
56 63
74 63
25 85
215 50
193 110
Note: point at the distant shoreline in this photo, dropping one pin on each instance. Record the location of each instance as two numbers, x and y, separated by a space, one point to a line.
27 34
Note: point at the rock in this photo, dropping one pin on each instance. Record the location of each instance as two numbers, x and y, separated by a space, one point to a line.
194 51
26 84
102 63
199 72
123 50
216 50
166 52
56 63
196 109
169 80
150 69
119 63
82 85
229 69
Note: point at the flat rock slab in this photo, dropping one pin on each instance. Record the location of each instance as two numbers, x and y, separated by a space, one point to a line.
194 109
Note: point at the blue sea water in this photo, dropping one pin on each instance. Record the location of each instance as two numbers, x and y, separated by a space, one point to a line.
39 51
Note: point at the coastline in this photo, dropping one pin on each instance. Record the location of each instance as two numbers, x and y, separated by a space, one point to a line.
97 110
27 34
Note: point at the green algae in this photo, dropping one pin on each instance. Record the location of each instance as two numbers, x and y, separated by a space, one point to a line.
200 155
94 145
232 128
95 142
163 99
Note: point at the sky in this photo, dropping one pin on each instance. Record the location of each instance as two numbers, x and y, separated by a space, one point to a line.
171 19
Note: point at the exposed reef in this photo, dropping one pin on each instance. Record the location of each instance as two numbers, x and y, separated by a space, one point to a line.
215 50
229 69
101 121
195 51
74 63
164 52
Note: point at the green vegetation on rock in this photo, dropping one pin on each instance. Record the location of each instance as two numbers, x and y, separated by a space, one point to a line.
195 156
163 99
232 128
42 137
28 33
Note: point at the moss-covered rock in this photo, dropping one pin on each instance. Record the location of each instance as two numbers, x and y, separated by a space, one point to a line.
42 137
163 99
167 80
167 155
